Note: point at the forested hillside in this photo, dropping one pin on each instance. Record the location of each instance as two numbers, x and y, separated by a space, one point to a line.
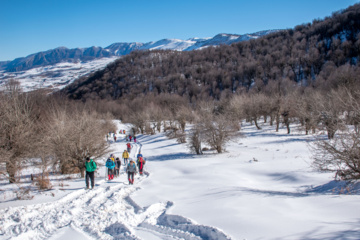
310 55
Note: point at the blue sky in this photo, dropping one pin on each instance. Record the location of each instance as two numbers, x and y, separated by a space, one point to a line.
29 26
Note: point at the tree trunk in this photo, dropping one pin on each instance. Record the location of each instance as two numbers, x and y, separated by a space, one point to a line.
277 119
307 126
256 124
158 126
11 170
302 122
165 125
182 125
82 172
331 133
287 123
288 127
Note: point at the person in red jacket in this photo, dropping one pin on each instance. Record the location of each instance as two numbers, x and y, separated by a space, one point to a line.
141 165
128 147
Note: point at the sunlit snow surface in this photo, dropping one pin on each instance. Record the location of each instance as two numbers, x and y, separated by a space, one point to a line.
262 187
53 76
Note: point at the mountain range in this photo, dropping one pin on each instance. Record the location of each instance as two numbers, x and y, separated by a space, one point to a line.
63 54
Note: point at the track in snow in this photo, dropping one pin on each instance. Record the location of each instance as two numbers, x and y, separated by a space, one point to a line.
107 212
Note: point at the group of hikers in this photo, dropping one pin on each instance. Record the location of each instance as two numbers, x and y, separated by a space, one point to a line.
127 137
113 165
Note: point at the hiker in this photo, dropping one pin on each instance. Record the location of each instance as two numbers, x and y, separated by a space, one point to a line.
90 166
134 139
131 171
125 157
141 165
128 147
117 167
138 158
114 137
130 137
110 164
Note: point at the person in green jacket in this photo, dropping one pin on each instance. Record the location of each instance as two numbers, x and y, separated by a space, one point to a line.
90 172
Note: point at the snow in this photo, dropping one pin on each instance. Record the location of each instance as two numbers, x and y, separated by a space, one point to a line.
262 187
173 44
53 77
70 233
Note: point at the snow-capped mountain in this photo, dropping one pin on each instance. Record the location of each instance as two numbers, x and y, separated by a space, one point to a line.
119 49
58 67
54 76
54 56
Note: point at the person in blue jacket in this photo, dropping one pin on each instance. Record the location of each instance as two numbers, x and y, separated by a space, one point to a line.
110 164
138 159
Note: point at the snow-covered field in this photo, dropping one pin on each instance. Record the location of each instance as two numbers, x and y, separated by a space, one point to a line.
262 187
53 77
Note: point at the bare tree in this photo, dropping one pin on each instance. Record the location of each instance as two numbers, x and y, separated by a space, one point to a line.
288 106
216 129
156 115
329 110
341 152
139 120
72 137
195 139
16 129
305 108
182 116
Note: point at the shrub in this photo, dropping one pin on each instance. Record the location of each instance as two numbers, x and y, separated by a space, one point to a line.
43 182
181 138
23 194
340 155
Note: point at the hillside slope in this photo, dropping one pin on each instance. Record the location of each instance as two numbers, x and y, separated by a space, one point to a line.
308 55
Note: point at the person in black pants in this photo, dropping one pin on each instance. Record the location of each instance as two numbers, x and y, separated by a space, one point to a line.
131 171
90 166
117 168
